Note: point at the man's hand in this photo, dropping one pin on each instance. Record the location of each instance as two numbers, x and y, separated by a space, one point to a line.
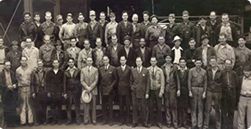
14 86
65 96
147 96
190 94
49 95
178 93
33 95
10 87
88 90
204 95
160 95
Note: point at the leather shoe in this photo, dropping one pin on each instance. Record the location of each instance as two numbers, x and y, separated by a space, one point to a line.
168 126
103 123
68 122
134 125
59 122
120 124
160 126
94 123
145 125
22 125
31 124
78 122
46 122
128 124
111 124
53 123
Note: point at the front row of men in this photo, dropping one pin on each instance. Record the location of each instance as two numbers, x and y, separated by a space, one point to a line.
172 82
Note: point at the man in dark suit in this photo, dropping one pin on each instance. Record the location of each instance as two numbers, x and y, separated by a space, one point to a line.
144 52
39 94
8 90
112 52
213 23
123 74
94 29
103 22
128 52
140 84
145 24
72 88
108 79
124 28
54 89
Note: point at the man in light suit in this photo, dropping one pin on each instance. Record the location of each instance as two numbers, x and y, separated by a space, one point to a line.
108 79
89 79
123 74
140 82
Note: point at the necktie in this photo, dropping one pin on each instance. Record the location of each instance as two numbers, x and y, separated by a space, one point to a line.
138 70
228 78
153 75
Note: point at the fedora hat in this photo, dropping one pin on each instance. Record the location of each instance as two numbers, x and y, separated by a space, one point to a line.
176 38
86 97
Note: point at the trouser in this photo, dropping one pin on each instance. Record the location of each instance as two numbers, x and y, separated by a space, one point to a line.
216 97
244 108
107 103
26 104
56 103
182 115
1 115
197 107
73 97
227 118
87 117
155 100
139 103
9 107
171 107
124 107
40 105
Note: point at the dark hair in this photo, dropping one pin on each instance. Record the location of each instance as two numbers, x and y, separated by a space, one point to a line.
145 12
25 13
182 58
70 58
229 60
102 12
170 55
241 36
247 68
192 39
213 57
224 14
153 57
124 12
36 13
138 57
223 34
198 59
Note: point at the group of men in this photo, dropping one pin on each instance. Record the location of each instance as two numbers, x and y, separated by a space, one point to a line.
126 62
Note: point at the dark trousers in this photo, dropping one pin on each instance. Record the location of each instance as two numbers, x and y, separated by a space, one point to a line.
139 103
40 105
171 107
227 118
56 104
208 106
107 103
182 115
124 107
9 101
73 98
155 100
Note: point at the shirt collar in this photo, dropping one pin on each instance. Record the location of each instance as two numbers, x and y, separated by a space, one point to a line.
228 24
74 68
180 48
181 69
247 78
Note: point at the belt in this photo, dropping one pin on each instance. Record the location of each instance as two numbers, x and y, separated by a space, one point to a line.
1 63
23 86
248 96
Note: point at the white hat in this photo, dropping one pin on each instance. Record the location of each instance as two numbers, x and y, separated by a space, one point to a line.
176 38
86 97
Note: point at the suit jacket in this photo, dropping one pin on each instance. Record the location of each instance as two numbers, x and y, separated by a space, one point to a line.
183 78
210 53
159 82
63 58
136 33
89 78
123 83
54 82
72 83
122 31
146 57
26 30
108 79
130 58
95 32
213 38
198 32
234 34
108 53
3 87
140 82
36 83
94 57
173 82
214 84
103 32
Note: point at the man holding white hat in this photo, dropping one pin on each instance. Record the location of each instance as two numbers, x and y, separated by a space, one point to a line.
89 79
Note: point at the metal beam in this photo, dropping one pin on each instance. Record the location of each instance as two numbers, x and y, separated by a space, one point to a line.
28 6
56 8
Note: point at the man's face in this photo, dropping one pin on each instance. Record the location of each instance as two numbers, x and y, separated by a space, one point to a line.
192 43
93 17
40 64
73 42
114 40
225 19
48 17
222 39
168 59
81 18
89 61
71 63
1 42
123 61
55 64
69 19
146 17
212 16
58 47
142 43
98 42
182 63
203 21
102 16
161 40
37 18
14 47
154 21
177 43
138 62
60 21
228 64
185 17
213 62
47 40
247 73
171 19
135 19
241 42
105 60
28 42
198 63
112 18
125 16
7 65
23 61
86 45
127 43
153 62
205 42
27 18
